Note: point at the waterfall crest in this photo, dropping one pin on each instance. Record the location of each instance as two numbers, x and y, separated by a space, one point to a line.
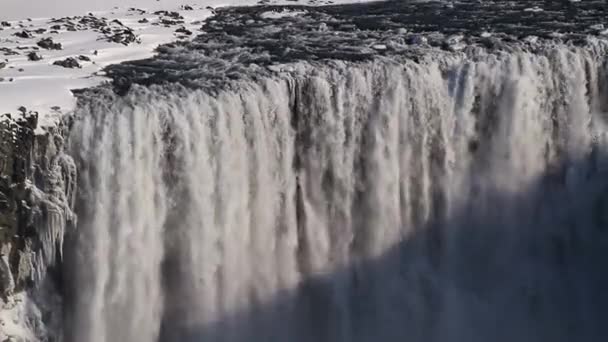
462 198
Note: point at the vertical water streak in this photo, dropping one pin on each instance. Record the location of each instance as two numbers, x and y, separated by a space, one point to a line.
455 199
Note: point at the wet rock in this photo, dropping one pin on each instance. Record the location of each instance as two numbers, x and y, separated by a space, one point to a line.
69 63
49 44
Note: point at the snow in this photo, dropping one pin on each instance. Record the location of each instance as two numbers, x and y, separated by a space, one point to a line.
12 316
46 88
20 9
280 14
41 86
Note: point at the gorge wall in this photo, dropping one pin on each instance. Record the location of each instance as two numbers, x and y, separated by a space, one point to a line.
37 192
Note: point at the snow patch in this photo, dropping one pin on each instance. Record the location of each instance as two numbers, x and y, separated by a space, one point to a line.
281 14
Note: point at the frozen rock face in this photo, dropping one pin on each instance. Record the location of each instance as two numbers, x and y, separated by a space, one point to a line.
37 189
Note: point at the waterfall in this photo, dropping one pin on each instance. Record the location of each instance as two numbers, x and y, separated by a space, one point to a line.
459 198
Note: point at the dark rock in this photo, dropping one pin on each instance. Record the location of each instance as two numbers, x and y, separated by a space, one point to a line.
8 52
56 27
138 10
170 22
34 57
187 8
172 15
123 36
84 58
184 31
175 15
143 21
69 63
5 24
40 30
2 65
24 34
49 44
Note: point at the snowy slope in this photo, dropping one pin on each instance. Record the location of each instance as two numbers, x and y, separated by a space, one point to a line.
42 86
46 88
18 9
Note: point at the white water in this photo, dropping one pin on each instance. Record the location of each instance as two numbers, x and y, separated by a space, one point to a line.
460 199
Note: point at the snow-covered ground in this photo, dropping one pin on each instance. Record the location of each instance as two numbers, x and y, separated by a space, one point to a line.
94 40
44 87
20 9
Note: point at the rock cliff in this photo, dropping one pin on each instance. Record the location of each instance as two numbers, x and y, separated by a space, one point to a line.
37 186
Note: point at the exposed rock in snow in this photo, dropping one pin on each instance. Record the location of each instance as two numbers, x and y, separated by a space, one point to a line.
34 56
49 44
69 62
98 39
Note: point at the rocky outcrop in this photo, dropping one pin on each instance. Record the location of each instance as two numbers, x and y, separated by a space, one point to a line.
37 186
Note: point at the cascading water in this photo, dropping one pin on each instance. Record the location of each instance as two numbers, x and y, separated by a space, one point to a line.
462 198
349 174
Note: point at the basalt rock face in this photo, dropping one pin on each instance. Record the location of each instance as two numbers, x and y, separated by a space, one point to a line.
37 184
